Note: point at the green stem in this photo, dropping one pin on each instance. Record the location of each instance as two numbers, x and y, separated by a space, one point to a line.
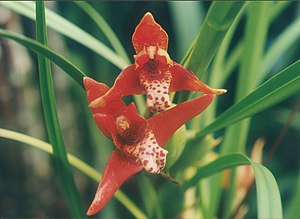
52 123
254 44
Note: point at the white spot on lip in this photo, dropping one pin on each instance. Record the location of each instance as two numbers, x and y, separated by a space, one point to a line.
158 98
150 154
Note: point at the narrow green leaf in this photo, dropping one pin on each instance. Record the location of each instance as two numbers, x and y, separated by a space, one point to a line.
149 196
280 87
68 29
268 196
51 118
104 26
213 30
54 57
279 47
216 24
75 162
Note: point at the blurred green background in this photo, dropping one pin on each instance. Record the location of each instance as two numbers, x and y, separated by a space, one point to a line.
28 183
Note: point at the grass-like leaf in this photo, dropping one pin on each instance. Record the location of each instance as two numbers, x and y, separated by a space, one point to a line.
51 118
268 196
279 47
216 24
280 87
39 48
104 26
68 29
75 162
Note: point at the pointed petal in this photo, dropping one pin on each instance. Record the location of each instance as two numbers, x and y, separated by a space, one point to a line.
166 123
182 79
106 124
117 170
94 89
149 33
127 83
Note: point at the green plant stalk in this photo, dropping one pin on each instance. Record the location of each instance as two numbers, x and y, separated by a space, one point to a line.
218 74
55 136
254 43
216 24
104 26
75 162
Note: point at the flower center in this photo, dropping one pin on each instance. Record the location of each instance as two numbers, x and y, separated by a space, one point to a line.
150 154
128 132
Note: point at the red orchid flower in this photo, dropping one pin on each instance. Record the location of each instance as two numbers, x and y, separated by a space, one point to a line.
153 73
139 142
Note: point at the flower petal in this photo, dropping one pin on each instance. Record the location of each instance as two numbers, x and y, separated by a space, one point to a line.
106 124
149 33
183 79
150 154
94 89
117 170
166 123
127 83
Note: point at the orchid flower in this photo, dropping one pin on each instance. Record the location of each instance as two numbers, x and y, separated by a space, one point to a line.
154 73
139 142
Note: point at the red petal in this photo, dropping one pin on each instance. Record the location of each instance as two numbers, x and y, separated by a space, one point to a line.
117 170
166 123
149 33
127 83
94 89
182 79
106 124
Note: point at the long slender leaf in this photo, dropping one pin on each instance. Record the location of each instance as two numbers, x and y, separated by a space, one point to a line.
280 87
253 49
281 45
75 162
66 28
268 196
39 48
106 29
216 24
51 118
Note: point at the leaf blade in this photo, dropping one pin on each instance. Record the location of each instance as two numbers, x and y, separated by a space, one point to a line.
74 72
268 196
280 87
